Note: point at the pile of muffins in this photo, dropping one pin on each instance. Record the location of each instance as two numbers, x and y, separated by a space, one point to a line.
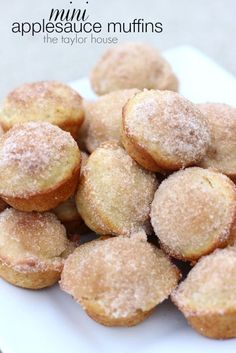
151 173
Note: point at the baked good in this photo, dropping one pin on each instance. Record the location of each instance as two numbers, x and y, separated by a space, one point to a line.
114 193
207 297
119 281
132 65
221 154
105 118
39 166
49 101
193 213
164 131
33 247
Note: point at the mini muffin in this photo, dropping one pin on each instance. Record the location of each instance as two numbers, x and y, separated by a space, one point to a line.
114 193
221 154
164 131
207 297
32 248
105 118
39 166
119 281
132 65
193 213
49 101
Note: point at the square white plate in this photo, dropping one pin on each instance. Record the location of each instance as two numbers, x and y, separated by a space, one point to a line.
49 321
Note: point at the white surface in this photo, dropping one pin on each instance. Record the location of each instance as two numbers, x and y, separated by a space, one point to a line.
49 321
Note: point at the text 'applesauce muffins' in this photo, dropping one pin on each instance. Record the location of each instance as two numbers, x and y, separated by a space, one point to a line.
105 117
207 297
132 65
164 131
119 281
114 193
48 101
193 212
33 247
221 154
39 166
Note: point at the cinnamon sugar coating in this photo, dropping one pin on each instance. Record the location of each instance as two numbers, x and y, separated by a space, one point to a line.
105 117
32 248
193 212
39 166
132 65
221 154
114 193
118 281
207 297
164 131
49 101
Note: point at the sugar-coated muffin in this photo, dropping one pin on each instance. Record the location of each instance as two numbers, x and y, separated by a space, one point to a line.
33 247
207 297
132 65
119 281
49 101
39 166
164 131
105 118
221 154
115 193
193 213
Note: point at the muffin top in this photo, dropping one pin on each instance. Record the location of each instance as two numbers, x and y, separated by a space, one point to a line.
193 211
36 157
30 240
168 126
118 191
210 287
132 65
49 101
121 274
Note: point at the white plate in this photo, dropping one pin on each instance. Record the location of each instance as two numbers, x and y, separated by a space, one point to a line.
49 321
